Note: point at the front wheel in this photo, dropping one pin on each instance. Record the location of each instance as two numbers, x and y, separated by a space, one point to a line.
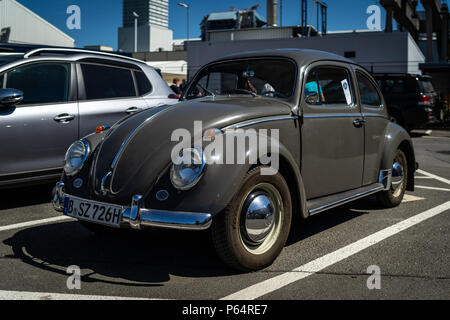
252 230
394 196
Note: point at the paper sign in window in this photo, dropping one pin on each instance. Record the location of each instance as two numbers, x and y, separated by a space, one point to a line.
346 88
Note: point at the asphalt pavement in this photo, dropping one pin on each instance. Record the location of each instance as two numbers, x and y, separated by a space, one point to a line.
330 256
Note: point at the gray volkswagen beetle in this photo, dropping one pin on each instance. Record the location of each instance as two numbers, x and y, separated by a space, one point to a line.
259 138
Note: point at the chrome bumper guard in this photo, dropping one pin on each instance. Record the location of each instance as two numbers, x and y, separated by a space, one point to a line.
137 217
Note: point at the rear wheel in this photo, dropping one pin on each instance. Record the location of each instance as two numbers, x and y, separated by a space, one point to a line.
394 196
251 232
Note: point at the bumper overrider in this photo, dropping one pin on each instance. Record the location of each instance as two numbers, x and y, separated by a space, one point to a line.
138 217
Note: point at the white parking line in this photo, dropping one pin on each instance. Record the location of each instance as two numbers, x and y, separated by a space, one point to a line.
410 198
34 223
278 282
434 176
432 188
19 295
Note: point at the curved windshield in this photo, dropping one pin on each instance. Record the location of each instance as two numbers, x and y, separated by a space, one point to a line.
257 77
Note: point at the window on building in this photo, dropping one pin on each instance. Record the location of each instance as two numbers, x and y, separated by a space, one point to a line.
103 82
41 82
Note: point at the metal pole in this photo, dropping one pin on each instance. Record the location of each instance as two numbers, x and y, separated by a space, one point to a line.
188 22
135 34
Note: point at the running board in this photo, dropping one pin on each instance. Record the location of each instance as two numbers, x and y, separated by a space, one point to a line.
325 203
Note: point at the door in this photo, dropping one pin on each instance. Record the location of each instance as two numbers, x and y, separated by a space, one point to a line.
35 135
107 94
376 118
332 132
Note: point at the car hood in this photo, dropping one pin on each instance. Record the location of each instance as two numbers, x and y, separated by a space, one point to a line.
138 149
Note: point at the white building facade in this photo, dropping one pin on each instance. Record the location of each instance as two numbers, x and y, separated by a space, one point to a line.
26 27
153 26
379 52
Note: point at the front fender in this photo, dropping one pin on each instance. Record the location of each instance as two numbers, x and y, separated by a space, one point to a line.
396 137
221 182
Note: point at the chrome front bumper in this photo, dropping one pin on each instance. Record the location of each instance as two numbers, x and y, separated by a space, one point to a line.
137 217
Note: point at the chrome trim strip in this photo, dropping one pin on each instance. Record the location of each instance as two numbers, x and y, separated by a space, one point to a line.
345 200
253 122
353 115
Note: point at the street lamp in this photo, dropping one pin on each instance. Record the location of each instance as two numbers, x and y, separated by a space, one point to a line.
136 16
184 5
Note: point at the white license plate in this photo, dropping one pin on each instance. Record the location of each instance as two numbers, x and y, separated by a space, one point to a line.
92 211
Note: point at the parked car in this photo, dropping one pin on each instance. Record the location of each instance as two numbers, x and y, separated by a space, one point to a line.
411 99
53 96
329 133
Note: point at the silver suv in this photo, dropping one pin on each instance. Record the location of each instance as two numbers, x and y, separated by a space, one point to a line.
50 97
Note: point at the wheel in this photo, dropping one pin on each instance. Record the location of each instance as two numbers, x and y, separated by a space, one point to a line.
393 197
252 230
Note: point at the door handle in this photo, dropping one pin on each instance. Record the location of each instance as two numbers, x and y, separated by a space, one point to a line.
64 118
132 110
359 123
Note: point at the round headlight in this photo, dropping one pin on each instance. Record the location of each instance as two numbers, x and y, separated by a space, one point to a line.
187 171
75 157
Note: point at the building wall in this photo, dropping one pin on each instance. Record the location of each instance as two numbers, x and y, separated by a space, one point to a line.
150 38
155 12
377 51
27 27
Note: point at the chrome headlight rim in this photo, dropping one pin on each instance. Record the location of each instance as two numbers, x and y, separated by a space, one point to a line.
87 151
199 176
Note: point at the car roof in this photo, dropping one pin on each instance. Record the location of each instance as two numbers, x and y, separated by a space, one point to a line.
301 56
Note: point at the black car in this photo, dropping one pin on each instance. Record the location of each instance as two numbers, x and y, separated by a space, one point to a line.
410 98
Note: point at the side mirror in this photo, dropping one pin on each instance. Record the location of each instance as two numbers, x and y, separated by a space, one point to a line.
10 97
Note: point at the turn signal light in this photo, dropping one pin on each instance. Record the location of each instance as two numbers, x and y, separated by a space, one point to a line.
102 128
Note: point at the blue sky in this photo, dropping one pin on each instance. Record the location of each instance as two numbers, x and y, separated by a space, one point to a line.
101 18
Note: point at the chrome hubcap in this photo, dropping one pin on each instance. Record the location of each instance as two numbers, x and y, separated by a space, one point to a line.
261 215
258 216
398 175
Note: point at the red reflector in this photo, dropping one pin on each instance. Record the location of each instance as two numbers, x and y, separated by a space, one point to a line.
425 99
100 129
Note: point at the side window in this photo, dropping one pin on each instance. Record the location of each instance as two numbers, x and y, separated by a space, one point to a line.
103 82
335 84
312 95
143 84
368 92
41 82
395 86
328 85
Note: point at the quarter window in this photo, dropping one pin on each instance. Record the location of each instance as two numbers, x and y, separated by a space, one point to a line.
368 92
41 83
102 82
328 86
143 84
